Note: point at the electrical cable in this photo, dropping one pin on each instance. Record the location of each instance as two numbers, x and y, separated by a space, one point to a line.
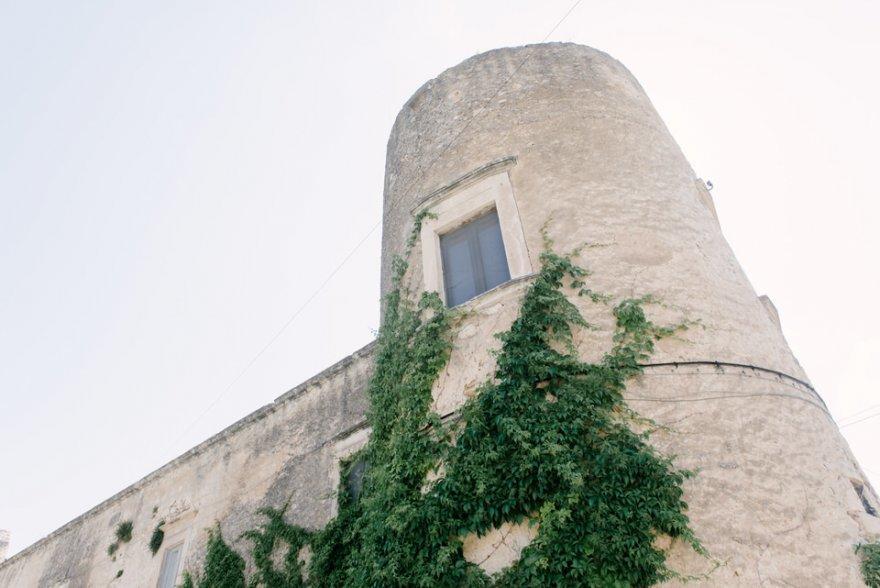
871 416
858 412
351 253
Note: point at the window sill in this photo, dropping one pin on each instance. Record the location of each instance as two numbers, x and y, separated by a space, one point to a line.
489 296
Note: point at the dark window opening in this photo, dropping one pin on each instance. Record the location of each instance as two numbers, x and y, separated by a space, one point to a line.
860 491
354 479
474 260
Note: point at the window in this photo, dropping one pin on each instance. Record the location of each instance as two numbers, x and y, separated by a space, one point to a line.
349 468
354 479
474 260
170 566
472 238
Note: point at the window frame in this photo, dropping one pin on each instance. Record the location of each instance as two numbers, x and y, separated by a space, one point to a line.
343 451
178 532
451 208
180 545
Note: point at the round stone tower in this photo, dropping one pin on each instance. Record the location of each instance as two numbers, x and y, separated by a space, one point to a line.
562 136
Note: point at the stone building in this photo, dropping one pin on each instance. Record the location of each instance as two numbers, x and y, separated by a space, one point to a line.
558 136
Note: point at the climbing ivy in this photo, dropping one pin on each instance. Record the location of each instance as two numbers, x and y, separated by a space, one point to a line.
548 440
273 531
187 580
870 554
380 538
224 568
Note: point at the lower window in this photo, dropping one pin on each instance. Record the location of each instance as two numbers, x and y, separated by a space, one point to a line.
170 567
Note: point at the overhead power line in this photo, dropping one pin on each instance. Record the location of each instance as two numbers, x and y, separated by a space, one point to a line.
855 422
858 412
351 253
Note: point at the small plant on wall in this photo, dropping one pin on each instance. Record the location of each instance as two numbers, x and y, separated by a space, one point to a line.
123 535
157 537
123 531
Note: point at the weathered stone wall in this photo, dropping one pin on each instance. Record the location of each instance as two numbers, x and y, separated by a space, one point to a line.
287 450
773 498
4 543
774 501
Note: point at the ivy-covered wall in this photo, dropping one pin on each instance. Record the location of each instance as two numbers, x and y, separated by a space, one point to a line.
549 441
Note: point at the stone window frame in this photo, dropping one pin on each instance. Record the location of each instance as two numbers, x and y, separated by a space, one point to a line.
178 532
171 546
477 193
342 451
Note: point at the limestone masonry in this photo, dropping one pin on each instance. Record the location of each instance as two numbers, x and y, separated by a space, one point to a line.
562 136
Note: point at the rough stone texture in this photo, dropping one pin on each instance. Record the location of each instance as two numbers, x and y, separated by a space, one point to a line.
774 501
496 549
4 544
282 452
586 154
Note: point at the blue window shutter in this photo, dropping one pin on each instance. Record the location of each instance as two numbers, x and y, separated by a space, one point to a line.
170 566
474 260
492 254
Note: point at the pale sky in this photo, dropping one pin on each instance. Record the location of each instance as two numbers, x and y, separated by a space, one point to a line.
177 178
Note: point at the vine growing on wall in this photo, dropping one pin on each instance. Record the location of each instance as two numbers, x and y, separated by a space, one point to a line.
548 440
275 532
870 562
224 568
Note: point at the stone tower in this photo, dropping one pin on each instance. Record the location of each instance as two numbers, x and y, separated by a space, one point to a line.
563 136
497 148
